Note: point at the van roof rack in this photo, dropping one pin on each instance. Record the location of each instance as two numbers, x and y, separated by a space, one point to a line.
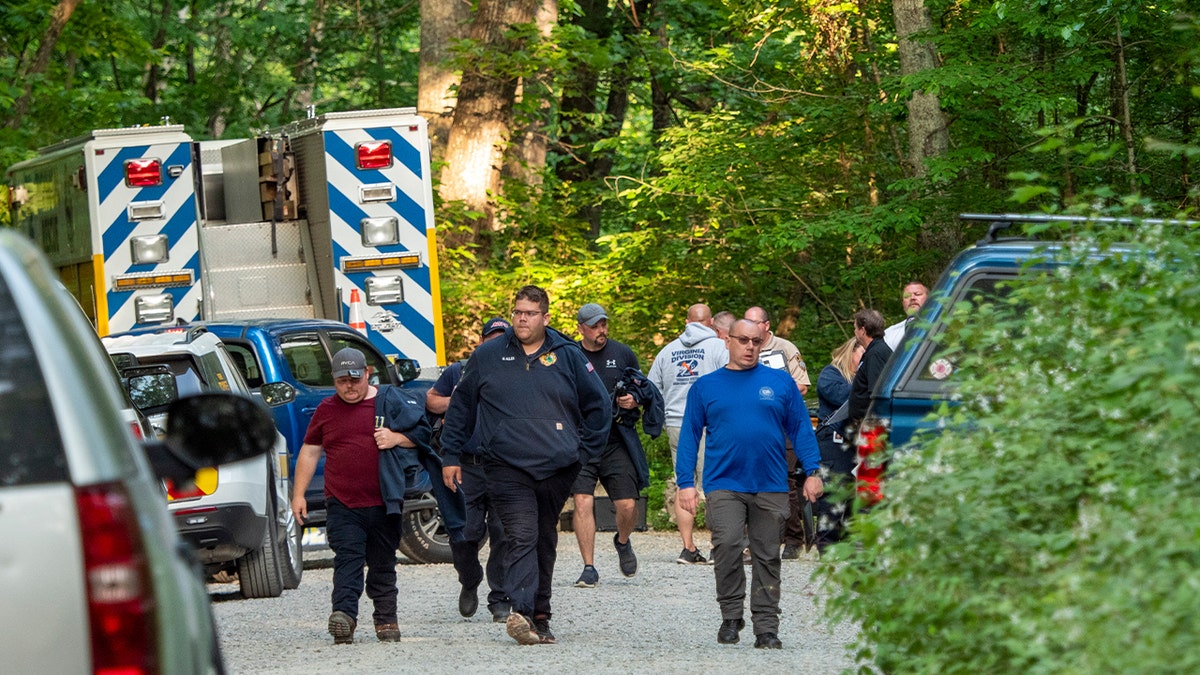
1003 221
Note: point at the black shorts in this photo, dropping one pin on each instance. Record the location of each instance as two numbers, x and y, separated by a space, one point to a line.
614 470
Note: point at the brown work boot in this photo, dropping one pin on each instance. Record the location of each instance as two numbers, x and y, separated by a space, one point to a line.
387 632
341 627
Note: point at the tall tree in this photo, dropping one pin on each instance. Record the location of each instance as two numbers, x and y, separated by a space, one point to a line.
928 133
26 73
483 116
443 23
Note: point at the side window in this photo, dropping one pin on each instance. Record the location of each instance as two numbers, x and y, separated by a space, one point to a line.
339 341
30 446
220 373
932 369
307 359
246 363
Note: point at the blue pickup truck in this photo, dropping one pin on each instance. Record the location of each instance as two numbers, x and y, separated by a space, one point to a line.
920 377
297 352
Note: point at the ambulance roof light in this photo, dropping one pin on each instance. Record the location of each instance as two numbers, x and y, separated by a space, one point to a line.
373 155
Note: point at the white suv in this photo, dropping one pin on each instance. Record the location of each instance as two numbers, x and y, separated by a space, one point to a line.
236 516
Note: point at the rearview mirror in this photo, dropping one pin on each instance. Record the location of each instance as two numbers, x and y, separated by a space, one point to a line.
277 393
407 369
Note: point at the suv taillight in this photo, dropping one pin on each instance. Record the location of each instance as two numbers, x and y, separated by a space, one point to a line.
118 582
871 442
204 483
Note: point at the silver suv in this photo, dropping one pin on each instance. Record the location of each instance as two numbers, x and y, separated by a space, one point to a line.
92 571
237 516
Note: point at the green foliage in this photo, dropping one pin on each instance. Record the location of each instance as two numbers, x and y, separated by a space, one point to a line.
1052 526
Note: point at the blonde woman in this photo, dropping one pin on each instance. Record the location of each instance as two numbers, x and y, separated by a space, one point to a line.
837 456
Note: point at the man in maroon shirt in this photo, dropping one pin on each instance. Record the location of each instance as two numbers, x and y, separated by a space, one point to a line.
357 526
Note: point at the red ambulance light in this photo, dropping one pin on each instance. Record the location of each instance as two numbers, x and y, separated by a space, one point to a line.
373 155
143 172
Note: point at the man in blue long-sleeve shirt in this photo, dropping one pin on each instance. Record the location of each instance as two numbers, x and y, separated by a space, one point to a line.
542 413
748 412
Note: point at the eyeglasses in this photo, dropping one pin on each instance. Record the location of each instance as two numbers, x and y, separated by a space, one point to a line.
743 340
521 314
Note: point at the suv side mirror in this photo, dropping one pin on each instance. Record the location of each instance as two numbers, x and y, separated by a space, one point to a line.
210 429
150 387
277 393
407 369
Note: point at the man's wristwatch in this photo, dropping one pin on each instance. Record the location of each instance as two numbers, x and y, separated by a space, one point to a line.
814 472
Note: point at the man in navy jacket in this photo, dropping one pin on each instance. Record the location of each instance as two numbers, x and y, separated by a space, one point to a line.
542 414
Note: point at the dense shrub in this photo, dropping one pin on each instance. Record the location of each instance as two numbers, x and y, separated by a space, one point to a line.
1054 526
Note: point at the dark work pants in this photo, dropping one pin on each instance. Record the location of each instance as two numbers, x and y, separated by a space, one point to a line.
733 517
482 520
358 537
529 509
793 528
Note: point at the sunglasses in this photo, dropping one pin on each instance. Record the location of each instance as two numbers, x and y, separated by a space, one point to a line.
743 340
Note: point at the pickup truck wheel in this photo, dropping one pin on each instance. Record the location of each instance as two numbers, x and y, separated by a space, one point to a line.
258 570
291 552
423 537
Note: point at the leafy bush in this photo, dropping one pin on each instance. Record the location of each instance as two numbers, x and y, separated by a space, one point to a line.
1054 526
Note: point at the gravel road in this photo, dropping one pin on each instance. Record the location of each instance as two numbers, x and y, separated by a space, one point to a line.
663 620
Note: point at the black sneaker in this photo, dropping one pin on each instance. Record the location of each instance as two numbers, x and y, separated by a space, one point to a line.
521 629
542 626
589 578
790 552
728 633
341 627
628 560
691 557
767 641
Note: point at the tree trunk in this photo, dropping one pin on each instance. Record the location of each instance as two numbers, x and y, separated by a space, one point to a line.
527 154
58 20
928 135
1126 123
442 22
154 72
482 122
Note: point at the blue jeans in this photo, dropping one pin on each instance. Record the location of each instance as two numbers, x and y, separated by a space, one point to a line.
363 537
529 509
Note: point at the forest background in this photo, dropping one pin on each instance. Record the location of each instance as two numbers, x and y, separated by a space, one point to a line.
808 156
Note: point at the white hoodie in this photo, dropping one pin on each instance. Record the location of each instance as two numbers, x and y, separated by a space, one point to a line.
697 352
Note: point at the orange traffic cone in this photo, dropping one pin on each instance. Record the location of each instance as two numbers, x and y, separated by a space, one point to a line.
356 313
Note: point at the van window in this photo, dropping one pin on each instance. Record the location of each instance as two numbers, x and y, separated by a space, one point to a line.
30 446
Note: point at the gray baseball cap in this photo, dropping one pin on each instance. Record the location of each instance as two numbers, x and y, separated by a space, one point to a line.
590 314
349 362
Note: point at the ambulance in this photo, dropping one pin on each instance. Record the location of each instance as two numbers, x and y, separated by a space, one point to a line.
326 217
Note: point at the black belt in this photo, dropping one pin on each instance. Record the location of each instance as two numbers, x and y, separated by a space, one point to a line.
466 458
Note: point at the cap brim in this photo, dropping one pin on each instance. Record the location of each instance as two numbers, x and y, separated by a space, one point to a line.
356 374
